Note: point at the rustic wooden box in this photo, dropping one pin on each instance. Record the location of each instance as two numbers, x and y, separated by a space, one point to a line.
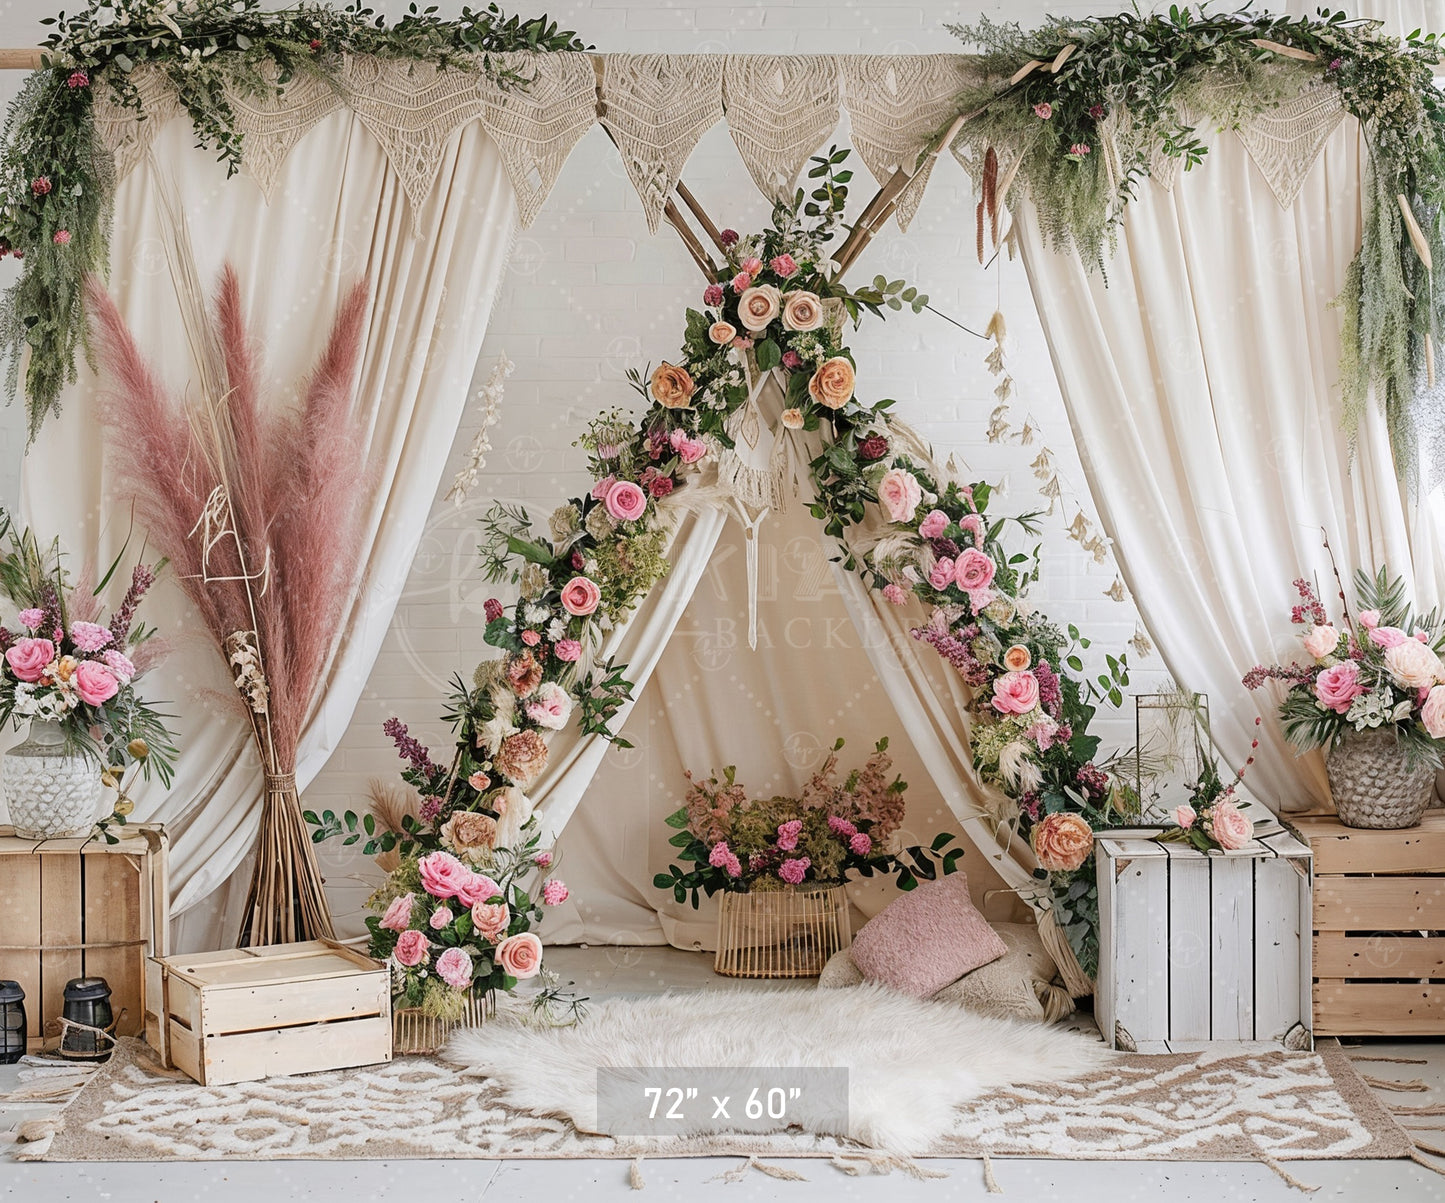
1379 927
82 908
1198 947
249 1013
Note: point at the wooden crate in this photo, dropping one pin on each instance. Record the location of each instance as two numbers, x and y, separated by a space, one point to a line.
1379 927
249 1013
82 908
1197 947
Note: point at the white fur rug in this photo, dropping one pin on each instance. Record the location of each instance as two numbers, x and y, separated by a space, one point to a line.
910 1063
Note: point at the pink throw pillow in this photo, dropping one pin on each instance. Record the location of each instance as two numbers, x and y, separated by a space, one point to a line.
926 939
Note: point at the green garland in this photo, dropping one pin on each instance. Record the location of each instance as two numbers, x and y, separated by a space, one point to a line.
1160 68
56 179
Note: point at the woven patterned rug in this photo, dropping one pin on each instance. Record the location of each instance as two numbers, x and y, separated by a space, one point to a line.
1270 1107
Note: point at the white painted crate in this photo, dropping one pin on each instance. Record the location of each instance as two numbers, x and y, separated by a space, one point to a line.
1198 947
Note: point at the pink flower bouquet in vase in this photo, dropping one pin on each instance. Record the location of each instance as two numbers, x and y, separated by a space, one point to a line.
781 864
1373 695
1214 818
73 678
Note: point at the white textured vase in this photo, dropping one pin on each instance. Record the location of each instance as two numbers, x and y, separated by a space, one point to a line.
50 792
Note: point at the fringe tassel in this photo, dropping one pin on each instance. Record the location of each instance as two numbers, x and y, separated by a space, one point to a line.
1394 1060
1427 1109
1414 1086
864 1162
990 1183
634 1174
1419 1159
1284 1173
738 1173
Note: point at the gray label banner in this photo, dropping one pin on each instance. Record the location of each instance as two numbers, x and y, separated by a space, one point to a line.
649 1100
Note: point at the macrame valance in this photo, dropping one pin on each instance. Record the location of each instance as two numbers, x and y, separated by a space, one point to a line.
655 107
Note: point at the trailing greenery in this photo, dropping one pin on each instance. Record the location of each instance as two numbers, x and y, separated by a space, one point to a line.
1108 96
56 179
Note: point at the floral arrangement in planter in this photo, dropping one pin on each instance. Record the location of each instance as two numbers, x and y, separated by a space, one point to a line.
831 831
467 885
1374 687
72 674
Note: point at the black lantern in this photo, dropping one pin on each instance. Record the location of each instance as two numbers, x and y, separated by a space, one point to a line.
12 1023
87 1019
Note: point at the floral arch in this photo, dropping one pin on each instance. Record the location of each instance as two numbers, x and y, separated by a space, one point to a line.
761 411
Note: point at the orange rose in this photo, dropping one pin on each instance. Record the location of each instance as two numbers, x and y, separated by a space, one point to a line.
758 306
802 311
1061 842
672 386
722 333
1017 658
832 383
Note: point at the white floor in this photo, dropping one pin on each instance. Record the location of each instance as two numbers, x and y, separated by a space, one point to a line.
601 971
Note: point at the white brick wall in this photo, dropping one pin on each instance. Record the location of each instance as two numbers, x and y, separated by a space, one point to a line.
589 294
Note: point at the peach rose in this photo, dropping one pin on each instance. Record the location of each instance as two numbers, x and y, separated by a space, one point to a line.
793 419
802 311
522 757
411 947
899 493
672 386
491 919
1015 693
722 333
1321 641
1432 714
470 834
1017 658
523 673
1061 842
520 955
758 306
1411 663
581 596
1229 826
832 384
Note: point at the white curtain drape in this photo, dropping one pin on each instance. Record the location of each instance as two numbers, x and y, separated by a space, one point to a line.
1201 381
337 213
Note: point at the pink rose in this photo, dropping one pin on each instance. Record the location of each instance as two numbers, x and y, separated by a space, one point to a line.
1015 693
973 570
1369 619
443 875
531 638
550 707
440 918
29 657
581 596
569 650
520 955
899 494
1043 110
398 914
554 892
741 281
691 450
1321 641
1432 714
455 968
941 576
491 919
1185 815
934 525
1413 664
784 266
477 887
95 683
600 489
479 782
626 501
1387 637
752 265
411 949
1229 826
895 593
973 523
1338 686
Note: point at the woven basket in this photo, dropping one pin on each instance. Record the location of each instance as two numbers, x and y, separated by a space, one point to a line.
414 1031
1372 783
781 933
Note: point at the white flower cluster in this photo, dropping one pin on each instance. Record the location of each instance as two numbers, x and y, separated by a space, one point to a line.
45 701
1376 708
